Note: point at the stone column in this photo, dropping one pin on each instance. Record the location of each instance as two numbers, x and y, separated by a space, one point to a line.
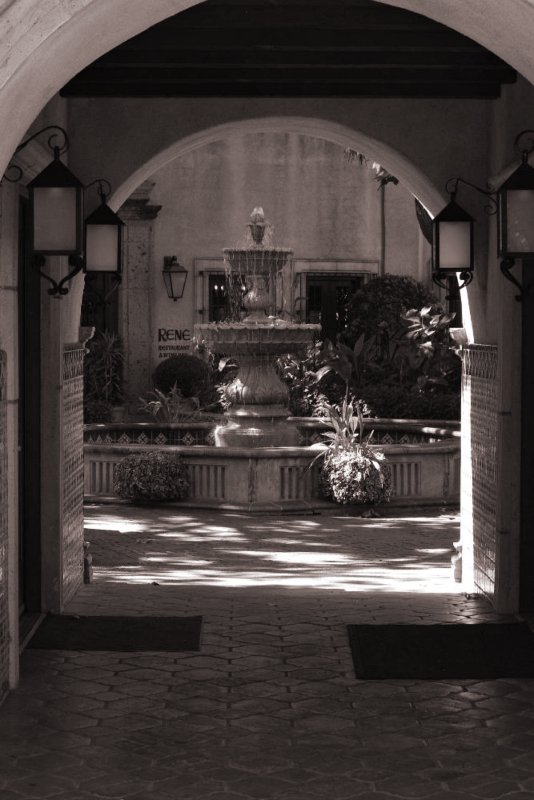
134 304
4 600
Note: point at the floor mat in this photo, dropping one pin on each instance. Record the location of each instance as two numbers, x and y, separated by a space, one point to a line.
119 634
499 650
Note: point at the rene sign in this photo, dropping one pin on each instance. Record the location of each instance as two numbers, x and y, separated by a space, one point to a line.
174 335
173 340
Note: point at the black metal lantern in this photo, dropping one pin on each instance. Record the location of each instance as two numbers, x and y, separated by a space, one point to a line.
103 238
56 211
516 214
174 277
516 210
452 245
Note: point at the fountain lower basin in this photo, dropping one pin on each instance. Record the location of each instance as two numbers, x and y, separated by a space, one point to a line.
424 456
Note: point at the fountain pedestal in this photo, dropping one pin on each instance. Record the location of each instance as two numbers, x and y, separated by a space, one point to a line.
257 416
257 426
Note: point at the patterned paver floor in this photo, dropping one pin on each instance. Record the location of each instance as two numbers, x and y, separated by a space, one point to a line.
270 706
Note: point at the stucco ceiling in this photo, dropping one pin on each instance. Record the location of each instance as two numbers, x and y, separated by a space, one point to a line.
295 48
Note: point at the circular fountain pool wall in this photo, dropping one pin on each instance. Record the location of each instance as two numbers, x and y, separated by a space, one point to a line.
424 455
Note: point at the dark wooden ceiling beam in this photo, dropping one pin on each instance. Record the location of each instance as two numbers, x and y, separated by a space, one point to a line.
248 88
295 48
303 73
303 56
322 14
342 37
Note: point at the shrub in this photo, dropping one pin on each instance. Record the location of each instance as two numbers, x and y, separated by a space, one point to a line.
379 304
356 476
308 395
405 402
189 373
151 477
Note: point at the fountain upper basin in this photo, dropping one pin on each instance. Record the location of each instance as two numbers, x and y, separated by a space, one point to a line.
272 337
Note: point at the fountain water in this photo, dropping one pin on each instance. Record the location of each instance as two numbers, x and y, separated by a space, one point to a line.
257 416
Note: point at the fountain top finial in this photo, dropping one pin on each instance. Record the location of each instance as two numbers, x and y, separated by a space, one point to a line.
257 224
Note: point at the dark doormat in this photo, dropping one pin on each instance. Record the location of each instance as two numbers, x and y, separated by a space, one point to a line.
120 634
500 650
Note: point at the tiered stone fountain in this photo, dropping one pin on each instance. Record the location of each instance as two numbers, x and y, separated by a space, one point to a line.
257 416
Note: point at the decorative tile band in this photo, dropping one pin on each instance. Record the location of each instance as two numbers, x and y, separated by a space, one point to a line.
479 410
480 361
73 469
73 361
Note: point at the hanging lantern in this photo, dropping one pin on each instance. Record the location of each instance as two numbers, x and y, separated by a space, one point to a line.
103 239
56 211
452 244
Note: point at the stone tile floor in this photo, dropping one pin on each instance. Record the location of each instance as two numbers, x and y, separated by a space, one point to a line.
270 707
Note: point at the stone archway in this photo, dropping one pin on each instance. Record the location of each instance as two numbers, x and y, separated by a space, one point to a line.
411 175
46 43
432 197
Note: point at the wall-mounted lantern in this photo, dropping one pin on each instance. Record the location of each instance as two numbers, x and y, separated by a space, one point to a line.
514 204
103 236
174 277
452 244
515 199
56 212
56 219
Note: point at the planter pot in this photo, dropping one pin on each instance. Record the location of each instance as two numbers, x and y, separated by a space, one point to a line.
353 479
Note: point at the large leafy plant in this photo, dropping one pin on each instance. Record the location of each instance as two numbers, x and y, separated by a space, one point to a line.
103 367
428 331
170 406
352 471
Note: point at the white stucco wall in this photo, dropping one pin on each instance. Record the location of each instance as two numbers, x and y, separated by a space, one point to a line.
323 207
422 142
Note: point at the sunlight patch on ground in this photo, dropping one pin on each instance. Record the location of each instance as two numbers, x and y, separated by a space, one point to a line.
417 578
293 542
114 525
341 554
298 557
204 534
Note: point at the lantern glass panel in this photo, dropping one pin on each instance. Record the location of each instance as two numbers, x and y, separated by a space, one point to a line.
102 248
520 221
454 246
175 282
55 219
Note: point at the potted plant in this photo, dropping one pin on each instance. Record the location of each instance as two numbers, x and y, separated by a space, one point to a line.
352 471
